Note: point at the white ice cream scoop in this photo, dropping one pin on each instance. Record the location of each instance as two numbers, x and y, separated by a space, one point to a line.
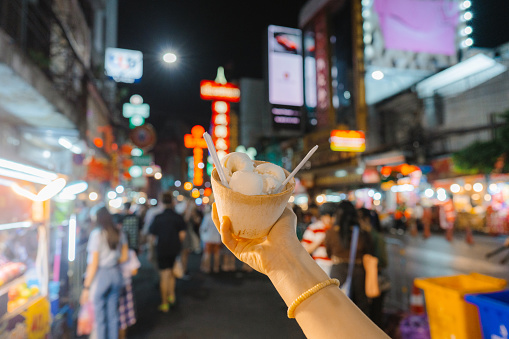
272 170
247 182
237 161
270 184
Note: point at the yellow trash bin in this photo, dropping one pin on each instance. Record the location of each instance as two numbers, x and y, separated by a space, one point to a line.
450 316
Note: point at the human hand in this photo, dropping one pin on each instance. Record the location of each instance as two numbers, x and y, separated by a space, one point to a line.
84 297
263 253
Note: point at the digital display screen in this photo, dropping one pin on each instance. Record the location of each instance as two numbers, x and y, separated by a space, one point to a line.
285 66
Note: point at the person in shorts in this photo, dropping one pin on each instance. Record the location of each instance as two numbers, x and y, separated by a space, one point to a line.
170 230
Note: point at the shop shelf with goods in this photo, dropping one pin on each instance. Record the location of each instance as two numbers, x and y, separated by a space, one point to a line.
450 316
493 313
24 249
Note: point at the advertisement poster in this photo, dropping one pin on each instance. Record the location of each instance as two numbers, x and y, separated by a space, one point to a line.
426 26
285 66
34 323
124 65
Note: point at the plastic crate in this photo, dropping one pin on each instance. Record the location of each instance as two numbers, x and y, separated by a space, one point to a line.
493 312
450 316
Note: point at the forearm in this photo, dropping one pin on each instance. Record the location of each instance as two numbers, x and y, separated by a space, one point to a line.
90 275
296 273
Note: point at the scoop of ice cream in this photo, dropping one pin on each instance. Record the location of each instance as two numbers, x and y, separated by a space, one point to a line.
273 170
247 182
270 184
237 161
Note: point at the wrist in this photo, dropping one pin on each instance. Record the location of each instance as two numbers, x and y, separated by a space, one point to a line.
294 272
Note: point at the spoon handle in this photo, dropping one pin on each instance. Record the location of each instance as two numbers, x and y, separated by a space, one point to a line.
306 158
215 158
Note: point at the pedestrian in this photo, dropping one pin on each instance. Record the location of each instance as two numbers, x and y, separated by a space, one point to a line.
314 211
141 212
313 299
193 218
131 227
145 234
127 315
170 230
301 224
447 215
419 215
314 236
212 245
368 222
338 240
107 248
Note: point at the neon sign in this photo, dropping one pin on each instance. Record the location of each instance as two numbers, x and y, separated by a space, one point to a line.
197 143
347 141
211 90
222 93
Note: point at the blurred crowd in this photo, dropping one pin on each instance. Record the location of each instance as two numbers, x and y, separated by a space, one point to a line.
169 232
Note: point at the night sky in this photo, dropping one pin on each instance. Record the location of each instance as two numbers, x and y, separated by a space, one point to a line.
204 35
208 34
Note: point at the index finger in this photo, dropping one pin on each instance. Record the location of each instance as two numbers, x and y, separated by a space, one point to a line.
215 218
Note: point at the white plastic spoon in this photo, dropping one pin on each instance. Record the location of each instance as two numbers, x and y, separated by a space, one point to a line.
299 166
215 159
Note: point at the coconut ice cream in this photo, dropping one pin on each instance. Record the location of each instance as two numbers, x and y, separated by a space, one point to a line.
255 200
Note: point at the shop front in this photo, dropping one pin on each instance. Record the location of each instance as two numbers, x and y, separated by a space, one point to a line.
25 214
480 202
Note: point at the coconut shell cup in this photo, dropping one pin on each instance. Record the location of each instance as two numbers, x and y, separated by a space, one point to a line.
252 216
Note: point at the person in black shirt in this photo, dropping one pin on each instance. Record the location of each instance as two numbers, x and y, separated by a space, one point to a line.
170 230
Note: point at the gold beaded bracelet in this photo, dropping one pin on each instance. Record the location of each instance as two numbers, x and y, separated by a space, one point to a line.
308 293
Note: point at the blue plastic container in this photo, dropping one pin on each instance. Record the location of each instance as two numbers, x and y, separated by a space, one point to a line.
493 313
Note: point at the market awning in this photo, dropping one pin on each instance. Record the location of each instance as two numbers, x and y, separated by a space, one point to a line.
20 99
387 158
461 77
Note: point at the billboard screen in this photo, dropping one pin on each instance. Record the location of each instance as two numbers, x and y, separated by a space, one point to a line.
285 66
123 65
422 26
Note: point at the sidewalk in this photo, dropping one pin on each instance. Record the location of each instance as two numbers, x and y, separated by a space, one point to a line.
223 305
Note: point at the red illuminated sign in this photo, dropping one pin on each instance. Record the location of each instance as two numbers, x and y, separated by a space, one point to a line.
211 90
347 141
196 142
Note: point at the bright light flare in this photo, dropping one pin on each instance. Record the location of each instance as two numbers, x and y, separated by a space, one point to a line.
377 75
169 58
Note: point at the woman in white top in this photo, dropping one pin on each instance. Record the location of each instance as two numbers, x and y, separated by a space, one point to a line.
107 248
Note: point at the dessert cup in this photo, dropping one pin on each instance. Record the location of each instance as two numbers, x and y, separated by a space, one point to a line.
252 216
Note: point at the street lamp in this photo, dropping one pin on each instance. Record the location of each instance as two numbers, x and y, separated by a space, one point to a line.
169 58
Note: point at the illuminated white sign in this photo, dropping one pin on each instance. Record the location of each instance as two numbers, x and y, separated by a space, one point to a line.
130 110
124 65
285 66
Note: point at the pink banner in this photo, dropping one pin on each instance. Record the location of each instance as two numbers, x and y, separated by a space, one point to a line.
426 26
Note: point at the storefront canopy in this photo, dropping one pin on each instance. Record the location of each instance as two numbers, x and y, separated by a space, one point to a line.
461 77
